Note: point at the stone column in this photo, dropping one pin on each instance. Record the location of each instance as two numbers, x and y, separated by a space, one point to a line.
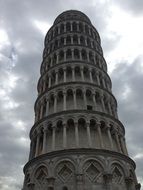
108 180
64 100
37 144
44 148
49 81
64 55
64 135
72 40
56 81
79 180
98 80
44 85
90 74
102 102
78 40
84 99
103 83
71 26
94 101
82 75
73 74
74 99
100 135
41 110
55 103
88 134
64 74
76 134
72 50
124 145
64 27
53 137
57 57
109 137
47 107
80 56
109 107
88 56
118 142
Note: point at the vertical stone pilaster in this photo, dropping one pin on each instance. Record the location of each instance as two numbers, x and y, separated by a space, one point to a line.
64 135
76 134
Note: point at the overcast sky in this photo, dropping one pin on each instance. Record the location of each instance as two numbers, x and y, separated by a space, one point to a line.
23 25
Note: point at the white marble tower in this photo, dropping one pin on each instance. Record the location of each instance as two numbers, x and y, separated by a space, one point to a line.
77 140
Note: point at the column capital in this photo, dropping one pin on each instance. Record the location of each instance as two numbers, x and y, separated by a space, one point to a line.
107 176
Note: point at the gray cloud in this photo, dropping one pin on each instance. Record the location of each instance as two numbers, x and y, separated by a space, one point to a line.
25 43
135 7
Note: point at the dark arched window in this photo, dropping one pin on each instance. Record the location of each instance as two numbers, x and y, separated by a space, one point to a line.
65 188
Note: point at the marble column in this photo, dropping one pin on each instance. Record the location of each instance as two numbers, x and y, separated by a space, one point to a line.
64 100
94 101
109 137
64 74
76 134
41 110
84 99
49 81
47 107
37 144
90 74
53 137
74 99
102 102
98 80
55 103
44 148
118 142
73 74
64 135
108 180
88 134
56 80
82 74
100 135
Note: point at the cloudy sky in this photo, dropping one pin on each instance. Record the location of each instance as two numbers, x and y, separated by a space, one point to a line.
23 25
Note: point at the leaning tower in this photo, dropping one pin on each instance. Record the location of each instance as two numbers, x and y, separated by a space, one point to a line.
77 140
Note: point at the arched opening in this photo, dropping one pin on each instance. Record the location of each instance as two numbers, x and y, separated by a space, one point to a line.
82 133
74 26
68 40
62 28
79 99
51 104
80 27
84 55
76 53
75 39
60 101
60 75
68 27
89 100
69 74
77 74
82 40
70 103
70 133
61 55
69 54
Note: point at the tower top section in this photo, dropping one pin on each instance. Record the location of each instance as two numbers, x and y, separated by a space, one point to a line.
72 14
